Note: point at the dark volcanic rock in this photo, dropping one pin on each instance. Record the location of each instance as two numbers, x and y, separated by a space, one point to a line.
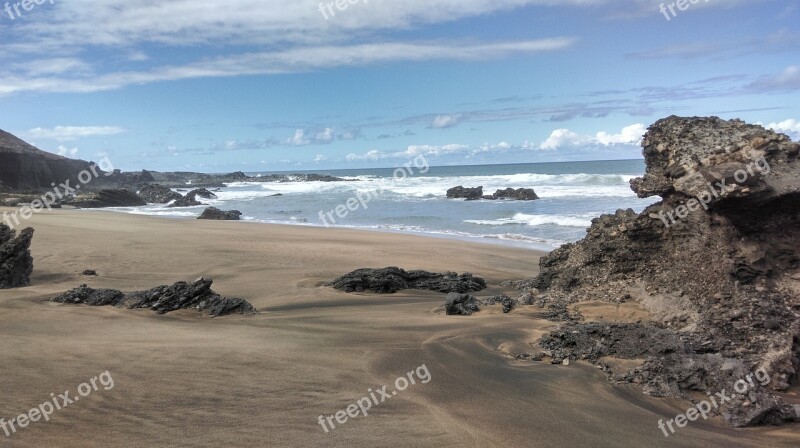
90 273
158 194
724 275
108 198
16 262
162 299
461 304
392 279
520 194
507 302
469 194
190 200
214 213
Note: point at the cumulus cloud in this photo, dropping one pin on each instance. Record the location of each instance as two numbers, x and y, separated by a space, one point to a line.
790 127
787 80
630 135
67 133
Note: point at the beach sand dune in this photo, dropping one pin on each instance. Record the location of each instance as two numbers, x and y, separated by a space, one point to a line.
244 381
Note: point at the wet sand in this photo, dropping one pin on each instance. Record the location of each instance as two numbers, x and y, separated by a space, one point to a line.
239 381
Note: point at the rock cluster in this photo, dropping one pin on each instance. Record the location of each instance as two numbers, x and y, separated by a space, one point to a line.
467 304
190 200
214 213
392 279
716 262
158 194
163 299
472 194
16 262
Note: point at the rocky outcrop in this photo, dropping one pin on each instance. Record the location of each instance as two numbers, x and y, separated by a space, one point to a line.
520 194
25 168
716 262
158 194
390 280
467 193
16 262
190 200
107 198
214 213
471 194
461 304
163 299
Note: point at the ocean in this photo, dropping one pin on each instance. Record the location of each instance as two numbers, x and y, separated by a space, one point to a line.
572 194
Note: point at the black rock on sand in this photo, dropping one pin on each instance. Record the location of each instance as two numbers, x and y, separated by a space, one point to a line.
163 299
392 279
16 262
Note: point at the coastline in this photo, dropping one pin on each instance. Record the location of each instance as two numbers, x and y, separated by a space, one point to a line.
309 351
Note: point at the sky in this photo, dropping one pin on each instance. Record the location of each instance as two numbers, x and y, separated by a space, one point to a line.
267 85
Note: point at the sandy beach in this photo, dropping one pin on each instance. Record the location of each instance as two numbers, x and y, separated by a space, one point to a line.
243 381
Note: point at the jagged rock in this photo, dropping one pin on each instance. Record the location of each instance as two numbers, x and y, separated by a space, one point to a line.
158 194
190 200
718 258
16 262
461 304
507 302
214 213
163 299
108 198
392 279
520 194
90 273
467 193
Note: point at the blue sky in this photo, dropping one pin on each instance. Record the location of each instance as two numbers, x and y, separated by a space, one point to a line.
262 85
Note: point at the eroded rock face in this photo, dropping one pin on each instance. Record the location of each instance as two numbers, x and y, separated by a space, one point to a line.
717 261
16 262
158 194
163 299
392 279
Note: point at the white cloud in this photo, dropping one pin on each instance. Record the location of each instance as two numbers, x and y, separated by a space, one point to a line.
787 80
324 136
445 121
299 138
67 152
630 135
790 127
292 60
67 133
320 158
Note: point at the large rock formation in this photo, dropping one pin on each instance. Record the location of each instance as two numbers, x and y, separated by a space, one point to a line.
26 168
716 263
163 299
390 280
16 263
519 194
